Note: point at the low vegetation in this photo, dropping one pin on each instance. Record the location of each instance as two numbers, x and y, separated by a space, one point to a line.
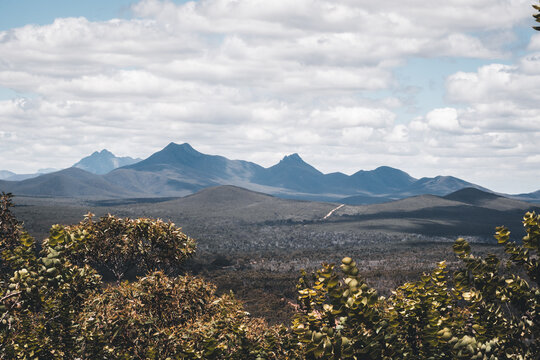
55 303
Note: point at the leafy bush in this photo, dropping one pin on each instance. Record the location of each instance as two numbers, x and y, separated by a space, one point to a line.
160 317
121 245
484 311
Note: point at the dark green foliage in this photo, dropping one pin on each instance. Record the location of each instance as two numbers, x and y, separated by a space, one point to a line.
40 297
182 317
121 245
17 248
484 311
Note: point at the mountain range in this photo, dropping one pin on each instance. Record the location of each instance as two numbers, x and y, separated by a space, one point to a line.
180 170
11 176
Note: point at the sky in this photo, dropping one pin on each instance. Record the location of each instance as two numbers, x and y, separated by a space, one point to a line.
431 88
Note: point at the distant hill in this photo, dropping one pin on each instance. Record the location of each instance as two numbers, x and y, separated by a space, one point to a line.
467 211
11 176
531 197
476 197
4 174
179 170
241 204
102 162
439 185
293 173
382 180
71 182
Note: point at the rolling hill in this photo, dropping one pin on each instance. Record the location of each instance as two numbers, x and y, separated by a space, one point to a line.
468 211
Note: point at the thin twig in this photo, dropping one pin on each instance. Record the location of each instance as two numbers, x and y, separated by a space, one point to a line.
11 295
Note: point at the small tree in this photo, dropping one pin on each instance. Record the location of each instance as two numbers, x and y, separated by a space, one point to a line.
537 17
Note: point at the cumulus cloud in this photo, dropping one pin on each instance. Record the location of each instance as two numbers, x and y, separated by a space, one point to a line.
497 82
494 127
255 79
444 120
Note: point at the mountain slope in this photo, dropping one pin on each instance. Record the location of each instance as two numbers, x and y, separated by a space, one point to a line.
295 174
71 182
439 185
157 183
382 180
189 164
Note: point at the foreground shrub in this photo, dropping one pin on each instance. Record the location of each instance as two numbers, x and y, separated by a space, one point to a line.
160 317
119 245
484 311
53 305
40 296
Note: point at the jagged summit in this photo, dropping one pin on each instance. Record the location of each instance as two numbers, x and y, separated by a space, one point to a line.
296 162
103 152
292 158
185 147
102 162
177 150
173 155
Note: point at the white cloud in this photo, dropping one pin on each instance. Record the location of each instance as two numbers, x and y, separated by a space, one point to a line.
356 136
497 82
459 44
347 117
399 134
534 45
246 77
445 119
